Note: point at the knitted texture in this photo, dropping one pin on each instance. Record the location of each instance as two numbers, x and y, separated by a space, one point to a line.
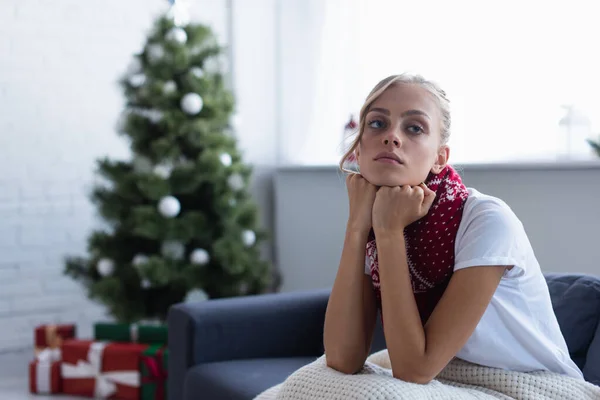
429 242
460 380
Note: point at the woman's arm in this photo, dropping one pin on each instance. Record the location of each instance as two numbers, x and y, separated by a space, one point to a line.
418 354
351 310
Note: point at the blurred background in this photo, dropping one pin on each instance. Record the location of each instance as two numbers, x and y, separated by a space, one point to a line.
522 77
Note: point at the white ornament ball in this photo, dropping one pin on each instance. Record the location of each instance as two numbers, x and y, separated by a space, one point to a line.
105 266
135 66
199 257
191 103
145 284
163 170
155 52
169 207
248 238
177 35
173 249
232 202
236 182
137 80
169 87
196 295
139 260
225 159
197 72
155 116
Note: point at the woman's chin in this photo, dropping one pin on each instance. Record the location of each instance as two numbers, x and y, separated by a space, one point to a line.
387 180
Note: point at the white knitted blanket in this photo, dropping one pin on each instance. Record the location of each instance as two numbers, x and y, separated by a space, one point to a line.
460 380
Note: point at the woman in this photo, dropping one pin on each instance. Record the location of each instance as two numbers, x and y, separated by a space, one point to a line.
450 268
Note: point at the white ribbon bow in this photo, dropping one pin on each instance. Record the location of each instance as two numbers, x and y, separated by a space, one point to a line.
49 355
105 381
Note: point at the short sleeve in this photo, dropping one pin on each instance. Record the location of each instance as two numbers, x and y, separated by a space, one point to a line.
491 234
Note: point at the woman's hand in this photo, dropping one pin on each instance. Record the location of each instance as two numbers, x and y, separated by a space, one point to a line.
397 207
361 194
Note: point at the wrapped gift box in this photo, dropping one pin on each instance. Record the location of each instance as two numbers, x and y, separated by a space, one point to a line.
148 334
153 368
52 336
101 370
44 377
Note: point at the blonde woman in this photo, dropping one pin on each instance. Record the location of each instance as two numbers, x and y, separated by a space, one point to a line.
450 268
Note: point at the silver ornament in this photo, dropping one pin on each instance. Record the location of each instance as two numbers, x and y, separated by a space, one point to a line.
176 35
169 87
235 182
169 206
199 257
248 238
139 260
145 283
197 72
163 170
195 295
225 159
137 80
155 52
105 267
192 103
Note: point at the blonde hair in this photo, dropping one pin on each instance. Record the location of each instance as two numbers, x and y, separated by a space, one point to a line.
382 86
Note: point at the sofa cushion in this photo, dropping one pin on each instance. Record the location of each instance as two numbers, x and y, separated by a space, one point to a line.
239 379
576 303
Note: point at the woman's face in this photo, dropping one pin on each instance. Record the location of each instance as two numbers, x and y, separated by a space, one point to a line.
401 142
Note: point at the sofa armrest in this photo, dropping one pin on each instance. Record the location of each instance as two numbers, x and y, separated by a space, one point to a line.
260 326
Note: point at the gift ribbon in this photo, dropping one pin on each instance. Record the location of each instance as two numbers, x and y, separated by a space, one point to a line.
53 339
49 355
105 385
157 374
42 377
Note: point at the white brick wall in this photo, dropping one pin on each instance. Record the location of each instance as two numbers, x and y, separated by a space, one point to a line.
59 62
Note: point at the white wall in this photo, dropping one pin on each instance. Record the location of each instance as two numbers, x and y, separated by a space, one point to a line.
59 101
558 205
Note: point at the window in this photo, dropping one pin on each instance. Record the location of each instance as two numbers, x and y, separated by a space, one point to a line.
510 69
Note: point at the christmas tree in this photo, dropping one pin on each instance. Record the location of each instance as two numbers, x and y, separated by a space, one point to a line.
180 222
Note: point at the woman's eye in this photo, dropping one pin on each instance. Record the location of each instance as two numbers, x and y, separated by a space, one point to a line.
376 124
415 129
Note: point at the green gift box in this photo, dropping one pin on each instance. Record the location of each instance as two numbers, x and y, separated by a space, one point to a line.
114 332
153 369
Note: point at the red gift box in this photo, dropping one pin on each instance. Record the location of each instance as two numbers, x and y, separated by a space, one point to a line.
101 370
52 336
44 377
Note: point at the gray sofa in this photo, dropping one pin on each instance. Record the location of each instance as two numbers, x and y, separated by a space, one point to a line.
235 348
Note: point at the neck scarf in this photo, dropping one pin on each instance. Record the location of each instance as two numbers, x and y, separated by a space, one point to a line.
429 243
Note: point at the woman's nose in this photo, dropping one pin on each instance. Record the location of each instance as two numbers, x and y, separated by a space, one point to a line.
392 138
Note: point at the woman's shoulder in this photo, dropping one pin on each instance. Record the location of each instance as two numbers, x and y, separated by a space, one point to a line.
482 206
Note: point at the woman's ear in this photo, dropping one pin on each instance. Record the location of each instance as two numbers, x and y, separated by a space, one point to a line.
441 159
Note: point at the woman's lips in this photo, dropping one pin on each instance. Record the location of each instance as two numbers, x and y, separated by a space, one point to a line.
389 161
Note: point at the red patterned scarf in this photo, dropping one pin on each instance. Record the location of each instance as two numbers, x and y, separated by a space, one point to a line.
429 243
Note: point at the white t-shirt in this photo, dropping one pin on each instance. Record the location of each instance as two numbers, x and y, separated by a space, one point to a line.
518 330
